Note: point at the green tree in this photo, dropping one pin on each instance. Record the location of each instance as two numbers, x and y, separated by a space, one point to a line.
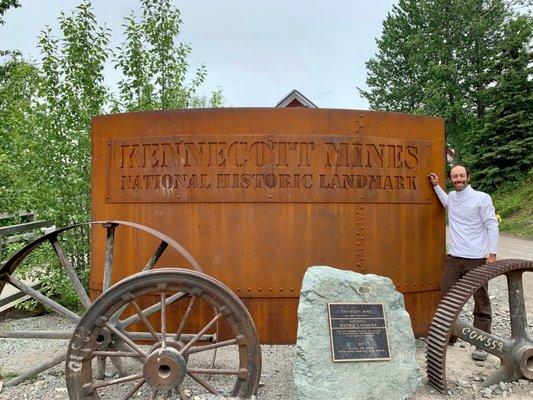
72 89
502 149
6 5
395 74
18 80
155 65
436 57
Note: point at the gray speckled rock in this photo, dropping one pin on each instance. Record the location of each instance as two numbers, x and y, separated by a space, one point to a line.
315 374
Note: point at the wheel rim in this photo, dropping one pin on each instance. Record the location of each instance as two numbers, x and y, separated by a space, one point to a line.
156 376
54 239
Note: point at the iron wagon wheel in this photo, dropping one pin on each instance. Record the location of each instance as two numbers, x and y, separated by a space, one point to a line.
515 353
167 366
54 239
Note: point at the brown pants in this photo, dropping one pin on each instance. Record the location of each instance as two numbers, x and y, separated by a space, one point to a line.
454 269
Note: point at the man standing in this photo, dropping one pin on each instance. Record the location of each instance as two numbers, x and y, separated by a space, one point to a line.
473 240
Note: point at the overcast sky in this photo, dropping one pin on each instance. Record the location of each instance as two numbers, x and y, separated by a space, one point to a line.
256 51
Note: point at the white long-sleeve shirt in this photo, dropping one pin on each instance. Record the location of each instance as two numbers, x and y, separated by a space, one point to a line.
472 221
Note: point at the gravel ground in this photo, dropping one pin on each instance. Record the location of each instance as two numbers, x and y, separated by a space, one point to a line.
465 375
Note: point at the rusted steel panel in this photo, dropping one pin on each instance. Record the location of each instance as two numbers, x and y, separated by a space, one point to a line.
229 185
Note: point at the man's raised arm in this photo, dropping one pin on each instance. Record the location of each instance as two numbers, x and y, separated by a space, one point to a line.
441 194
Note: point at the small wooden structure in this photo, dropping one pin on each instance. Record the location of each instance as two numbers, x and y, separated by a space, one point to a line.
17 227
22 226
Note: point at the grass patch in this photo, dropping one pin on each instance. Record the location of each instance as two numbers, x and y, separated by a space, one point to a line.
514 203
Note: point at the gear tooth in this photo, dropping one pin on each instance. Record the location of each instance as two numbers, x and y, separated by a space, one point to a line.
437 375
480 271
439 386
440 320
437 381
467 287
453 298
434 359
455 301
471 280
435 351
447 311
439 345
440 328
437 335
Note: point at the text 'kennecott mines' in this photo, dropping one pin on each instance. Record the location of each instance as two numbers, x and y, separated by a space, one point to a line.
272 153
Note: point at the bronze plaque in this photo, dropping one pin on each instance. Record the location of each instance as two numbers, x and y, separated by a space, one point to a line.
358 332
266 168
258 195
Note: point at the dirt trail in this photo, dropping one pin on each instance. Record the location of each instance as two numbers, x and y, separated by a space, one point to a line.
511 247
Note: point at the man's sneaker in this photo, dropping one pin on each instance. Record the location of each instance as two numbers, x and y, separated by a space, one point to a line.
479 355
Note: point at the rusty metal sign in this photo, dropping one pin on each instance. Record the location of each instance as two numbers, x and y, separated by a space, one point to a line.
258 195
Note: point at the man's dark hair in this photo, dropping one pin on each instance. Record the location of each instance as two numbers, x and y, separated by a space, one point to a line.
458 165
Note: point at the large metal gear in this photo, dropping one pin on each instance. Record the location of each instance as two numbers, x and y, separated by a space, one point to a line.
516 353
166 365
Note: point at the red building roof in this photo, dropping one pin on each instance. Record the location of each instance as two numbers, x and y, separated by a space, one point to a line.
295 99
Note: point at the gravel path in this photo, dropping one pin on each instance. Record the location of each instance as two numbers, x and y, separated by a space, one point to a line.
465 375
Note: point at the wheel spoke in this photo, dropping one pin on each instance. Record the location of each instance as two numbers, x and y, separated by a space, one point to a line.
36 334
483 340
199 334
502 374
185 318
157 254
134 389
163 321
108 259
186 337
65 262
144 320
101 353
36 370
214 371
214 357
155 257
126 339
199 349
128 378
517 307
204 383
152 309
58 308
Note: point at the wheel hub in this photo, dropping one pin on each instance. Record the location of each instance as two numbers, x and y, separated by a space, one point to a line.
164 369
103 340
526 363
